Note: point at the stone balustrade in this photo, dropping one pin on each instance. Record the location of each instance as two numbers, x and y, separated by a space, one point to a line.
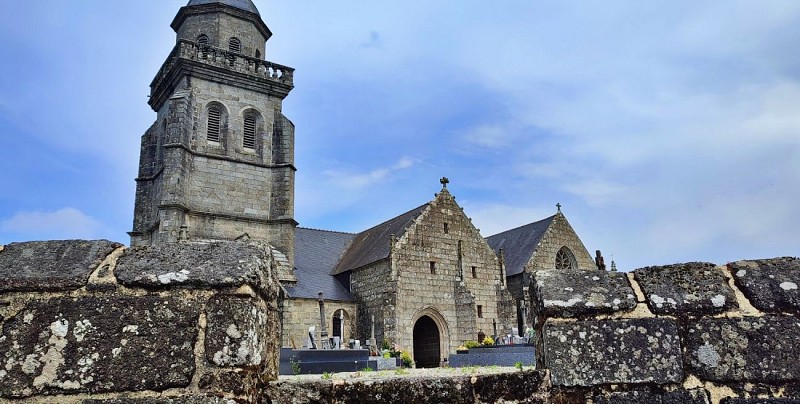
222 58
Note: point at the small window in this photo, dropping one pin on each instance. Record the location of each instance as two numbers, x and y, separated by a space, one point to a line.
214 118
249 140
446 228
480 311
258 54
474 272
433 267
235 45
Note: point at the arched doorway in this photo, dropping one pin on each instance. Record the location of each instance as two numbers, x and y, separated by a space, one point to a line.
426 343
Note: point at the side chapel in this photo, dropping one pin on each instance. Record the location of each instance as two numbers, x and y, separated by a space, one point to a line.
218 164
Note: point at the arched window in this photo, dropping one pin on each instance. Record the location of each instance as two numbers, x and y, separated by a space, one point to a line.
235 45
258 54
214 123
565 259
249 139
202 42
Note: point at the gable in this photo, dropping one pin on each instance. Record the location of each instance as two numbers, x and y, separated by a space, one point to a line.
519 244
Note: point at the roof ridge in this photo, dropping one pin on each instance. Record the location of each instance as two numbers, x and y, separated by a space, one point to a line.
395 217
524 225
325 230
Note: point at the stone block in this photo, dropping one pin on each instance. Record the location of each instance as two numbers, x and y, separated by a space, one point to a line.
162 400
199 264
757 349
770 285
613 351
571 293
531 386
98 344
51 265
697 396
237 331
236 382
681 289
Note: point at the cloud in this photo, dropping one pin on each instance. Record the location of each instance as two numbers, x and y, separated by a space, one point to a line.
358 181
65 223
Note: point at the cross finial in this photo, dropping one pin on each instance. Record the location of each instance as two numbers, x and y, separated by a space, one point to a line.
558 205
444 182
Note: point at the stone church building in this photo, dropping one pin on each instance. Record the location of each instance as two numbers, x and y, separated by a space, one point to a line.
218 164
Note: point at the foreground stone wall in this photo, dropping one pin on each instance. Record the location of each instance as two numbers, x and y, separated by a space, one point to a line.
692 332
92 321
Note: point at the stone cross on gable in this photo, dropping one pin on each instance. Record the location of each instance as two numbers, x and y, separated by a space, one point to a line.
444 182
558 205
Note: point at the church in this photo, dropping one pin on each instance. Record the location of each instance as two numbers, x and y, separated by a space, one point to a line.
218 164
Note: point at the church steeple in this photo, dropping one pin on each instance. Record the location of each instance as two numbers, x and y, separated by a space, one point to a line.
219 161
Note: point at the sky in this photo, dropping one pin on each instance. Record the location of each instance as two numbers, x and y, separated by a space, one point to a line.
669 131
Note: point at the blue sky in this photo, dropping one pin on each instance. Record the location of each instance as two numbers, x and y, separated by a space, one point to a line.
668 130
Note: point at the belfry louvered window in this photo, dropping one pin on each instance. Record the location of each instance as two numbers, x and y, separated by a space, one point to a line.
234 46
202 41
214 119
249 140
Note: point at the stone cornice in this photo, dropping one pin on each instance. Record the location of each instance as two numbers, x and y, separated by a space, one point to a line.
227 158
240 218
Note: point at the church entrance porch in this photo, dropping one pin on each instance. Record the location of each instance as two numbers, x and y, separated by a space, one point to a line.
426 343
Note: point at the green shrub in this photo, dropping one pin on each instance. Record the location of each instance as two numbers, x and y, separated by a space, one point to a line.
471 344
295 366
407 361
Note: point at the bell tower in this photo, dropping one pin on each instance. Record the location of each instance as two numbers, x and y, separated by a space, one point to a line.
218 163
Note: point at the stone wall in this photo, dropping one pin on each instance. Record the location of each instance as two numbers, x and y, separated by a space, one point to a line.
299 314
692 332
376 292
92 321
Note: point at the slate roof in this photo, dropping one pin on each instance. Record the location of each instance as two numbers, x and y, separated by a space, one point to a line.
519 244
373 244
246 5
316 254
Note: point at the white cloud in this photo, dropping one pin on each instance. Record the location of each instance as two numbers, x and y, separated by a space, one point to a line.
65 223
597 192
351 181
